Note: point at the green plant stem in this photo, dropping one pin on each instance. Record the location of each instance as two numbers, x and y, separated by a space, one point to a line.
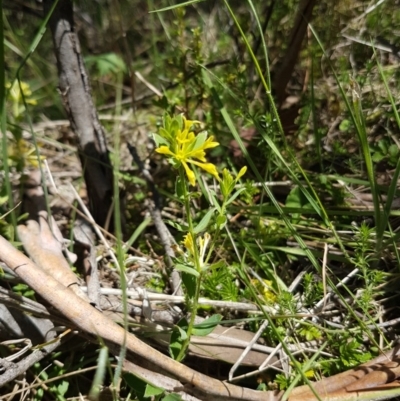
193 312
118 227
194 302
216 233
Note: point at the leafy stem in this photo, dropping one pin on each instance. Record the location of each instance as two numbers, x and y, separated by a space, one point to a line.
193 301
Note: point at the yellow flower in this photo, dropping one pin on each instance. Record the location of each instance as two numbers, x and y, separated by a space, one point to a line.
16 90
22 153
189 244
184 147
201 247
265 289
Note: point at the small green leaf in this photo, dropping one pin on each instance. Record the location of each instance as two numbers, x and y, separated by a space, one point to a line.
159 140
62 388
207 326
177 226
241 173
377 157
164 133
382 145
310 333
393 150
294 198
175 126
137 385
180 188
189 281
297 199
323 179
178 336
108 63
217 265
102 363
344 125
3 199
214 199
187 269
153 391
221 221
204 221
235 195
227 183
200 139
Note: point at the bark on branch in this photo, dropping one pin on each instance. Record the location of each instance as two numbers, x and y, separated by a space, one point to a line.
76 95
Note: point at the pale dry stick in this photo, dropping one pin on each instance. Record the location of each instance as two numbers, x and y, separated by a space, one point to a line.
32 309
248 348
269 184
17 355
335 325
95 227
322 302
361 16
271 355
141 260
272 365
10 299
224 344
357 195
297 280
93 322
159 380
50 380
148 84
235 342
216 187
285 359
178 299
16 369
378 45
312 315
50 177
259 370
278 348
324 262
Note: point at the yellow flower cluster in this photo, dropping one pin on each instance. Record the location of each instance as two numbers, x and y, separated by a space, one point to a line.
178 142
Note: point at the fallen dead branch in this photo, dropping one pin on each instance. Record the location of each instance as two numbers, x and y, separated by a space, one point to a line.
91 321
365 382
